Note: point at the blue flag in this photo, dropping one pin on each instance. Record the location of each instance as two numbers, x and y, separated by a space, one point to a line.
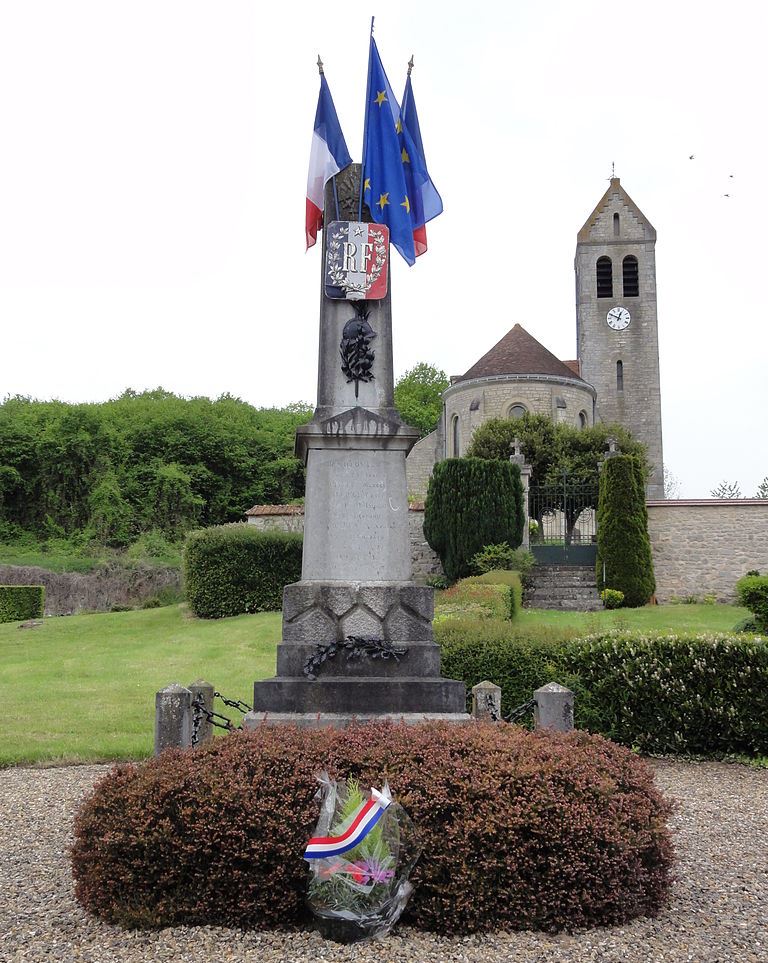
386 144
425 201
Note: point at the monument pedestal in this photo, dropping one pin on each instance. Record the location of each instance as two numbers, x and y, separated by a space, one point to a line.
356 568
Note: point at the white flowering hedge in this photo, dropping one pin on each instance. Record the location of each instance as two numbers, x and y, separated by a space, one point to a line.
689 694
674 693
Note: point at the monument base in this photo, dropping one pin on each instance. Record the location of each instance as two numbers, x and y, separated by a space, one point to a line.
338 720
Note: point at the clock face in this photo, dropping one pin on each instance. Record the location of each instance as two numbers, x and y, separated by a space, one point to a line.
618 318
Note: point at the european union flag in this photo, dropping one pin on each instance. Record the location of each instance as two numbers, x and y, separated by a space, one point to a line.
426 203
385 145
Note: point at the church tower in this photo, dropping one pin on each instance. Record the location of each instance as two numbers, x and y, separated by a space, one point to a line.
616 322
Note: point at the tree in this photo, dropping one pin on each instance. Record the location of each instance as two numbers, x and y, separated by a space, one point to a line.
471 503
419 396
671 484
762 489
564 459
726 490
624 560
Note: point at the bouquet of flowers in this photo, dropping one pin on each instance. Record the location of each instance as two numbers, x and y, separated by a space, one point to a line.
360 857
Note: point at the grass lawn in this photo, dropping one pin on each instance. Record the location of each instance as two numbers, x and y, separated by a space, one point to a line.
82 688
652 618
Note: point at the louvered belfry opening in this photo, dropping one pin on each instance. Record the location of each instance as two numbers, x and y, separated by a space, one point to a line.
631 277
604 277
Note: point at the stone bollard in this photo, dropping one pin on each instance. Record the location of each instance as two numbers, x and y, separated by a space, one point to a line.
554 708
204 690
486 701
173 718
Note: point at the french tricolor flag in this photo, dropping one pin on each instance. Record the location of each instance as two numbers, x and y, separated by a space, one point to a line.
329 155
362 822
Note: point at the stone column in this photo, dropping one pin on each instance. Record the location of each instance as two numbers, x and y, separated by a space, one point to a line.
173 718
554 708
204 691
518 458
356 570
486 701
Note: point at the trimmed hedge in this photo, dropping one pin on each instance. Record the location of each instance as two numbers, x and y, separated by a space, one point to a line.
703 694
519 830
232 569
508 578
21 602
753 595
623 545
471 503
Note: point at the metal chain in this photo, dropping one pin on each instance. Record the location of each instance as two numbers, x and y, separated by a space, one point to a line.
199 711
233 703
490 707
519 711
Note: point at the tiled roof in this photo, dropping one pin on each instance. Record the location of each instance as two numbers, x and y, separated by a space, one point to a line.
518 353
276 510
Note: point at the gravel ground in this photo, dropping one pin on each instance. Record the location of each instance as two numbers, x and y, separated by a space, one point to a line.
718 914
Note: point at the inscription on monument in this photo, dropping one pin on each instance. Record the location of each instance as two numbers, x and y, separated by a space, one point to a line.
354 527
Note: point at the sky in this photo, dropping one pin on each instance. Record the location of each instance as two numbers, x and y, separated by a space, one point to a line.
153 178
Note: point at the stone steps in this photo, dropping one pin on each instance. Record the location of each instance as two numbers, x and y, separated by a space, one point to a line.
566 587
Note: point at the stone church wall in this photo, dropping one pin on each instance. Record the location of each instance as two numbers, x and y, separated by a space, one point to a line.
703 547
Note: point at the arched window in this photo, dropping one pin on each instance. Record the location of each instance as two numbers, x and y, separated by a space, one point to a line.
583 419
455 436
619 375
615 225
630 276
517 411
604 270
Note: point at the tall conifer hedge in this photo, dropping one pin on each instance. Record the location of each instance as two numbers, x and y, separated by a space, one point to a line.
472 502
623 545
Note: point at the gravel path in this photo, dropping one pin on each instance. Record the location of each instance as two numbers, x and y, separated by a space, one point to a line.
719 911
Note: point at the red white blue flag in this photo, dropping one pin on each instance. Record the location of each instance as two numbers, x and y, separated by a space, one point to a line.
361 823
328 156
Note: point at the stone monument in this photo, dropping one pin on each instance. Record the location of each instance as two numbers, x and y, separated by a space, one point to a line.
357 638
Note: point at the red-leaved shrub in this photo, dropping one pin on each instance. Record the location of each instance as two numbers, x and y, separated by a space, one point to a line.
519 829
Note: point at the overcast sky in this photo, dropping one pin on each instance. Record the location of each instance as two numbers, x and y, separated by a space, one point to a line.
153 173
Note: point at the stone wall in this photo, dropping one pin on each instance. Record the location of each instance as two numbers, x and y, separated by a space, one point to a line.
290 518
703 547
421 459
70 593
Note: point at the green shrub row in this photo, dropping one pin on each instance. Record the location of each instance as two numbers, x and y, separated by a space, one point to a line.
495 595
232 569
519 830
700 694
21 602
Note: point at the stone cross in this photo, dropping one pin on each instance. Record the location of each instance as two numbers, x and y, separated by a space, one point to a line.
518 458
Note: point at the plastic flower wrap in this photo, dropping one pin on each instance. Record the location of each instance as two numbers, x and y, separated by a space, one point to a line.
362 852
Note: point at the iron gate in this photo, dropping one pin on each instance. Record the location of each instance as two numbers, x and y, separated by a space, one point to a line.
563 523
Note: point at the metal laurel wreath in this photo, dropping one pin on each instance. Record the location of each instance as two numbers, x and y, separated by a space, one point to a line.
355 646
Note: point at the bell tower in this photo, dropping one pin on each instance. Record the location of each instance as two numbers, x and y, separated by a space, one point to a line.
616 320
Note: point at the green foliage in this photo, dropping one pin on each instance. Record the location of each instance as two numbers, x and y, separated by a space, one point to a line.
419 396
470 503
727 490
752 591
762 489
21 602
142 461
507 578
494 558
480 598
623 545
231 569
553 448
703 694
519 830
612 599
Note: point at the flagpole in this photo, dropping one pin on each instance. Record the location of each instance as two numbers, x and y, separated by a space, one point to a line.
365 129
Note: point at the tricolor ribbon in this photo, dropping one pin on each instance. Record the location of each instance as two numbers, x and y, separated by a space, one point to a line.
362 822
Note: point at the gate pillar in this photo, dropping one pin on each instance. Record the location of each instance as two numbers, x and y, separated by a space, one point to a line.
518 458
